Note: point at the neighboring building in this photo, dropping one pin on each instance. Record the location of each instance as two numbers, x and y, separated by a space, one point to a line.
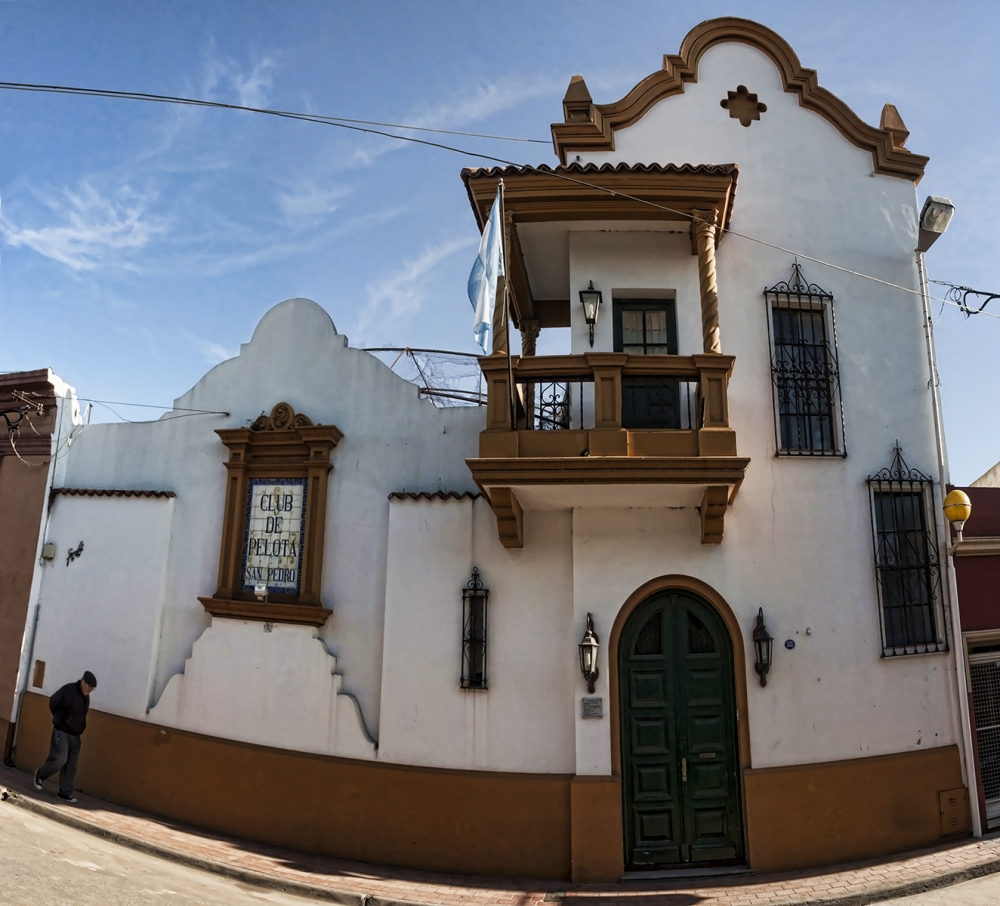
39 413
977 571
272 598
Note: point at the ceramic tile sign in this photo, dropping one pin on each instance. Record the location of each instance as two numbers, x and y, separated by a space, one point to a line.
276 521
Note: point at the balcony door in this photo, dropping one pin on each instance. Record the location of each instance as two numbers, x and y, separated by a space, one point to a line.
679 755
648 327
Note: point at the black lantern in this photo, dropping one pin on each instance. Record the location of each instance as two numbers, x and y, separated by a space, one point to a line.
591 299
475 599
588 655
762 645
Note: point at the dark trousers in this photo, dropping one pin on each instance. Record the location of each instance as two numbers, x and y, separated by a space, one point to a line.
64 752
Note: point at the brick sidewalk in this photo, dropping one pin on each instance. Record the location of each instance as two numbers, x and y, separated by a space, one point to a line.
356 884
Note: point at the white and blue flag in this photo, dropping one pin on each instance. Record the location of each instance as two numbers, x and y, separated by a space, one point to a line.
483 279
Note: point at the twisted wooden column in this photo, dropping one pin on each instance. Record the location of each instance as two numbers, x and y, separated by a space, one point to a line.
703 230
529 336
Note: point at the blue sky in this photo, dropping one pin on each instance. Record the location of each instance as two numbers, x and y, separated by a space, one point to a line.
140 243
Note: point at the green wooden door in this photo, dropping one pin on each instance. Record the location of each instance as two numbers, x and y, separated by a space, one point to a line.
680 762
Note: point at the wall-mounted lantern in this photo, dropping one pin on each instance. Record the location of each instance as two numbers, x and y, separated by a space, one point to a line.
762 645
591 299
475 602
957 509
588 655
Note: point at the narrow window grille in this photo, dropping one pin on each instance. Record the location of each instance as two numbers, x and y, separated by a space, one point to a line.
984 672
907 568
804 371
475 605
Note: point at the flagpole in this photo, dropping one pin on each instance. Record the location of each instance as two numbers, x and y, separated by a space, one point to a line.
506 310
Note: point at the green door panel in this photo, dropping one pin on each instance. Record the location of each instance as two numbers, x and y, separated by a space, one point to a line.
680 762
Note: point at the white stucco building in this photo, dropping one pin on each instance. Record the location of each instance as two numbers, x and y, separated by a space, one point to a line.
721 444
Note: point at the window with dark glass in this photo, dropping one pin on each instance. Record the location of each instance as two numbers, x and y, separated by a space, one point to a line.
648 327
804 368
906 560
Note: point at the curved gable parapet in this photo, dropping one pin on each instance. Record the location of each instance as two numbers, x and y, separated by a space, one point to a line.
591 127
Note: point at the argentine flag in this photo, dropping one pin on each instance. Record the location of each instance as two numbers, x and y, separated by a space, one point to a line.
483 279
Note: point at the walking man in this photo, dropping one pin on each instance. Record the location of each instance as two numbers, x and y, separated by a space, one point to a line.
69 708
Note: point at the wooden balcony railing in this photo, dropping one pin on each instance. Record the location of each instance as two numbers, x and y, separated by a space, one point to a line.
595 437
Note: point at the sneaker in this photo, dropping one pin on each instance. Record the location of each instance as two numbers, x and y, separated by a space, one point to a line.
38 783
67 797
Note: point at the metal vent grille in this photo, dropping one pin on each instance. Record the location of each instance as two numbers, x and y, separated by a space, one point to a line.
986 703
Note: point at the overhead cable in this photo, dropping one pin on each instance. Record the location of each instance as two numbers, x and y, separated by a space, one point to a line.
344 123
196 102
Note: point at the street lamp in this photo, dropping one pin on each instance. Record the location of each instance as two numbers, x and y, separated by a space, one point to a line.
935 216
591 300
957 509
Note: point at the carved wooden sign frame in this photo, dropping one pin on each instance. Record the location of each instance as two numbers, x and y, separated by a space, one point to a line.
280 466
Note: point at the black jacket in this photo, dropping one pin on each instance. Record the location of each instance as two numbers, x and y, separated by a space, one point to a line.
69 708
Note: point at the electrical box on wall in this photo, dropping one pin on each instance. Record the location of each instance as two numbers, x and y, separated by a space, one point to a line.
48 551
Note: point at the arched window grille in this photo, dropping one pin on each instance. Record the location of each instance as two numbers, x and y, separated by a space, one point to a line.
808 412
907 566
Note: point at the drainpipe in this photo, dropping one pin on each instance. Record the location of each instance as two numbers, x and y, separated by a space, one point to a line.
970 769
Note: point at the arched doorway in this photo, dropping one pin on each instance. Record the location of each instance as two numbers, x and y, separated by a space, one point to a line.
680 764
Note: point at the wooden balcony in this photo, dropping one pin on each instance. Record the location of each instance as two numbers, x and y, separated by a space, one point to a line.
591 457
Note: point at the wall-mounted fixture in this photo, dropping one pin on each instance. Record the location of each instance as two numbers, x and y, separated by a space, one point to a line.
475 605
762 646
591 299
260 591
48 551
71 555
957 509
935 216
588 655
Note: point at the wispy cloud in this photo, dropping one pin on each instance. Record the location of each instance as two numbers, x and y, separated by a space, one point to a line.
90 229
402 294
485 100
226 73
463 109
212 352
309 201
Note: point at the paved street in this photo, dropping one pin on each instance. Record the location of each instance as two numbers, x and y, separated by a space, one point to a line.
46 863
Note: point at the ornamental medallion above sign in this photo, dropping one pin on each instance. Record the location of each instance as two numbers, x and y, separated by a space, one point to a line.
271 553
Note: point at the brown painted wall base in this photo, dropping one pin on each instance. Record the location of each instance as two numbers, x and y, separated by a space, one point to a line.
516 825
452 821
820 814
598 852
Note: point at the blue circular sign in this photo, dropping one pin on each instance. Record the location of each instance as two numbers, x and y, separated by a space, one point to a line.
789 644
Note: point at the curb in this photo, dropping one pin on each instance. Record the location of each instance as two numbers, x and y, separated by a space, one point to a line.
234 872
348 898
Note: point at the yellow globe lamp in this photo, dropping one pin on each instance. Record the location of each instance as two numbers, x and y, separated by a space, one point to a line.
957 508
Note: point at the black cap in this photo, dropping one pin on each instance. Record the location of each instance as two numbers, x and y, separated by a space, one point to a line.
90 679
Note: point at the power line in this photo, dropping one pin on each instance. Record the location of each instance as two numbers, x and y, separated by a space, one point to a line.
344 123
196 102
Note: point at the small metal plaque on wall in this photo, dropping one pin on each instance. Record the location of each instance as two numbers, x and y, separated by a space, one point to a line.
593 708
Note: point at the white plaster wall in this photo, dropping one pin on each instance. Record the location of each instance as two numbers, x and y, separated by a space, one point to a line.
101 612
524 722
798 539
269 684
392 441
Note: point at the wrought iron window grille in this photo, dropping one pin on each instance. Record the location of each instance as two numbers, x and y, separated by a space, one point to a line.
805 374
907 562
475 605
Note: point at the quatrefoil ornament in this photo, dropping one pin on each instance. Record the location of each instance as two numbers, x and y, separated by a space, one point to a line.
743 106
